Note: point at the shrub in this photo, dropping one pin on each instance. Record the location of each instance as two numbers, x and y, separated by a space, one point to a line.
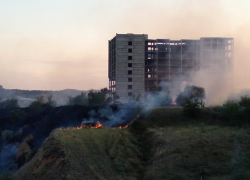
7 135
191 108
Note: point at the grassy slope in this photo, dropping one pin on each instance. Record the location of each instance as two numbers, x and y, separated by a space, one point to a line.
166 145
87 154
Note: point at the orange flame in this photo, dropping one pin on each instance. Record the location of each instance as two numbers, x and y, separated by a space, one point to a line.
124 127
174 103
99 125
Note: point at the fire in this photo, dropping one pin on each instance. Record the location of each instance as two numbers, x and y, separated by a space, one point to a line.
99 125
124 127
174 103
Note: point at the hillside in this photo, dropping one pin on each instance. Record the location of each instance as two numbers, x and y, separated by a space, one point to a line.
165 145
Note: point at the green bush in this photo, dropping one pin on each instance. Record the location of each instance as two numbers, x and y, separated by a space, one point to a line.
191 108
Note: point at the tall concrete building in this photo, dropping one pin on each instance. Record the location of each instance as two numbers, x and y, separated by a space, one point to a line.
137 64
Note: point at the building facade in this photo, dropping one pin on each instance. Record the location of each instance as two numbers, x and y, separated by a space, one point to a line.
138 65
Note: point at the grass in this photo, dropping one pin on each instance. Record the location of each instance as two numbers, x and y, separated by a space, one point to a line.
183 151
165 145
103 153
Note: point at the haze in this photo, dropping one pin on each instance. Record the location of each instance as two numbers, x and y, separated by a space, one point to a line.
61 44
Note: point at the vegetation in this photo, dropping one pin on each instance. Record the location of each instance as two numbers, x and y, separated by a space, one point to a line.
231 109
92 98
9 103
190 92
81 99
50 100
36 106
191 108
16 115
97 98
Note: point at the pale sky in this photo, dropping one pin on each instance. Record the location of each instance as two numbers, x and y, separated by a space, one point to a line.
63 44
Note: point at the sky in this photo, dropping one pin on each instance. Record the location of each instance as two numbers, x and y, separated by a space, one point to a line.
63 44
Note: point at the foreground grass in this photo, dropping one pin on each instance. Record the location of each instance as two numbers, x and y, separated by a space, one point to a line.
165 145
181 152
102 153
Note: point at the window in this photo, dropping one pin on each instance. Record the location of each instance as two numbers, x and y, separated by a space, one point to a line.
130 94
129 50
129 79
129 57
129 64
130 72
130 43
129 86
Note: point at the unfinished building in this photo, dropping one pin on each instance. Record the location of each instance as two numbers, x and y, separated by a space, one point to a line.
138 65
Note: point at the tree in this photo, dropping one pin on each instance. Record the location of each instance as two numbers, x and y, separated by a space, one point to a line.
81 99
50 100
36 106
192 93
245 101
97 98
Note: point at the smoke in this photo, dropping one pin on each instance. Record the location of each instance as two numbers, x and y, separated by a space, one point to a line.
128 111
110 118
159 99
218 88
7 157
